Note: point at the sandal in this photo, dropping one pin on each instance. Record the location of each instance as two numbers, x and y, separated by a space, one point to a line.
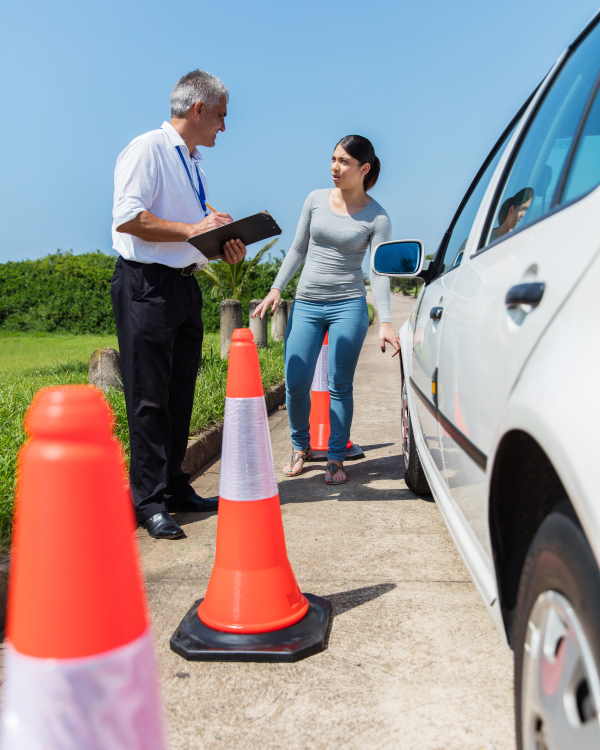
296 463
332 468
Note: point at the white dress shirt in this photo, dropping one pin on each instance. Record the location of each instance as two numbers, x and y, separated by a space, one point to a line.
149 176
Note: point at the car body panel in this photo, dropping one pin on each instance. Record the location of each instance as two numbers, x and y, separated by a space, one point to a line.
495 366
482 355
556 399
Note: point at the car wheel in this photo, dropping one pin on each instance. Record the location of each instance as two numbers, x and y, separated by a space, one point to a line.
557 641
414 476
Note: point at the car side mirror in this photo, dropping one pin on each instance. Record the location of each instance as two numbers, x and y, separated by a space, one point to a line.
402 259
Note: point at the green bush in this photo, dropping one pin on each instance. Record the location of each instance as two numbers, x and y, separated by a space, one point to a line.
408 287
69 293
61 292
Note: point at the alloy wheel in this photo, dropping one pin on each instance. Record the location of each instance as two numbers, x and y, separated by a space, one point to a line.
561 685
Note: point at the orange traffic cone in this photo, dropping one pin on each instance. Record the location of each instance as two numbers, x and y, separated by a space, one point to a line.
253 609
319 412
80 670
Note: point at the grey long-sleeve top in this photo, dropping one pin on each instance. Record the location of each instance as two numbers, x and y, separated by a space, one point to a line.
332 247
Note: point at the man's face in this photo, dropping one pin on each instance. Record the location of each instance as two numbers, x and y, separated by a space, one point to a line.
210 121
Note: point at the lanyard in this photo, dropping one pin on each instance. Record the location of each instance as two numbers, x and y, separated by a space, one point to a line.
200 194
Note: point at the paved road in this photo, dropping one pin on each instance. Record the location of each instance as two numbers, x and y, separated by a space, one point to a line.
414 662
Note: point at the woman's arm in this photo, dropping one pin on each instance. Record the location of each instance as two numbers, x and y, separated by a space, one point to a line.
381 288
381 284
294 258
296 255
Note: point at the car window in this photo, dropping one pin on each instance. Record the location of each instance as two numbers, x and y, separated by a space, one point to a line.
529 190
584 174
453 254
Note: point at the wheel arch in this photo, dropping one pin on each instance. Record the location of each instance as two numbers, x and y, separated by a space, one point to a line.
524 489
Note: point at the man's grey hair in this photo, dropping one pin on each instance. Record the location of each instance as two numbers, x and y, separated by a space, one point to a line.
197 86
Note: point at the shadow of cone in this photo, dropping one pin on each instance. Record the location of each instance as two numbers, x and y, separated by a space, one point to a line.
80 669
253 609
320 401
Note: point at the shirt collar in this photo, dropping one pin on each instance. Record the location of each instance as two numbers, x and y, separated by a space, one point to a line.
176 140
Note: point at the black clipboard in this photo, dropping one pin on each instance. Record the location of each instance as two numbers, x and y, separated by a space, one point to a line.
251 229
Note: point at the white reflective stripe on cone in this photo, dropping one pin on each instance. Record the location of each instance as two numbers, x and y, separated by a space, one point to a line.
105 702
320 378
246 457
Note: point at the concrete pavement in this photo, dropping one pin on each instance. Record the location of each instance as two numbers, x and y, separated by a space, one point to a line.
414 661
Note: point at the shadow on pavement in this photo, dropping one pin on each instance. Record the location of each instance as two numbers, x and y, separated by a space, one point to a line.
374 446
310 487
345 600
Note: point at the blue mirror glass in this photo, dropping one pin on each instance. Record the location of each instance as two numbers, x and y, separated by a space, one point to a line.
398 258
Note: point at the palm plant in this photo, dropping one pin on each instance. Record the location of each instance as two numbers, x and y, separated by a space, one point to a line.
231 281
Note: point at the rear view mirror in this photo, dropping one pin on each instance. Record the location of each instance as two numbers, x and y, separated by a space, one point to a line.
403 258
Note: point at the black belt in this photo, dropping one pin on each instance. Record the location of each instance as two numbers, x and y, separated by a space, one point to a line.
187 271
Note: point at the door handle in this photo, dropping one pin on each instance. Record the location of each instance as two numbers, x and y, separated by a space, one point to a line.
436 313
529 293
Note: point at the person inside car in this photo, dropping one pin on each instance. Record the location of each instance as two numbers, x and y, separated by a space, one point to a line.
512 212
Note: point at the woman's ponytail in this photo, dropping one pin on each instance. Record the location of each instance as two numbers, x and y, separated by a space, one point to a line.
373 173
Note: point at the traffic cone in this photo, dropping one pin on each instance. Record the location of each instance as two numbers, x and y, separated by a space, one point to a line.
319 412
253 609
80 670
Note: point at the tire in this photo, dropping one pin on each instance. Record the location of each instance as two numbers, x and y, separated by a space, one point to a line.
414 476
557 640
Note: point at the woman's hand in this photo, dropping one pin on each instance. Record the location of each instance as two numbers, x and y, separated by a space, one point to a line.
387 335
272 300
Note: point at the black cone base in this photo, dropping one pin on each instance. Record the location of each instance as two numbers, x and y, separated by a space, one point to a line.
351 454
195 641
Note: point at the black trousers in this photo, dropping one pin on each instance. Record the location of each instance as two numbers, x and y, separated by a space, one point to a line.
158 313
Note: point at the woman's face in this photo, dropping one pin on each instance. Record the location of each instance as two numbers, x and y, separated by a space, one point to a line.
346 171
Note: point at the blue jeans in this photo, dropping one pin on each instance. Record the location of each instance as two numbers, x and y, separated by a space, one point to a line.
347 322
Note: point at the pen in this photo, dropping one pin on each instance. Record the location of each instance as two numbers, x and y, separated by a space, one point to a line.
212 208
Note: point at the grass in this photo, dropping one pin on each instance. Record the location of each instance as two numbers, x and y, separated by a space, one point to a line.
29 362
29 352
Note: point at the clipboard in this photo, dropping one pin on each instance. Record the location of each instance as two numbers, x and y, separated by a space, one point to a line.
251 229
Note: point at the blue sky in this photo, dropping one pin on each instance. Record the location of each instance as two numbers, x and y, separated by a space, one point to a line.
431 83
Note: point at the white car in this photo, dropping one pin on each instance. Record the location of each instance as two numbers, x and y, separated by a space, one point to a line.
500 366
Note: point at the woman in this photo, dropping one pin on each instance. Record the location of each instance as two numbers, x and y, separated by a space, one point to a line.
335 228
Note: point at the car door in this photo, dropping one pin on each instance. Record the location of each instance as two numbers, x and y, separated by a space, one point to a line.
426 338
430 316
535 243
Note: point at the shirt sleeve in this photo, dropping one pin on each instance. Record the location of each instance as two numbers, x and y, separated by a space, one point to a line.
136 182
381 284
297 253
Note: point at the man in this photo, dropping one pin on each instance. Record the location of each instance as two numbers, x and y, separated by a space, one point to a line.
159 202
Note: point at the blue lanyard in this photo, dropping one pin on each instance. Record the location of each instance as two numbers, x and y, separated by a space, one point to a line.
199 193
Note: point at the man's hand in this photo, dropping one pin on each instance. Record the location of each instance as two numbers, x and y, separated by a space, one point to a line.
214 220
387 335
151 228
234 251
272 300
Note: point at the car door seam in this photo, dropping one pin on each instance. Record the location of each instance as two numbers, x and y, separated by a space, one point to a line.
474 453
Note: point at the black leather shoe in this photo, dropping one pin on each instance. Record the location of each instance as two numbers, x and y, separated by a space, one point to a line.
191 502
162 526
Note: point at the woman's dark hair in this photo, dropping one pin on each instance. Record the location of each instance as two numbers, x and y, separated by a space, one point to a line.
518 199
361 149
